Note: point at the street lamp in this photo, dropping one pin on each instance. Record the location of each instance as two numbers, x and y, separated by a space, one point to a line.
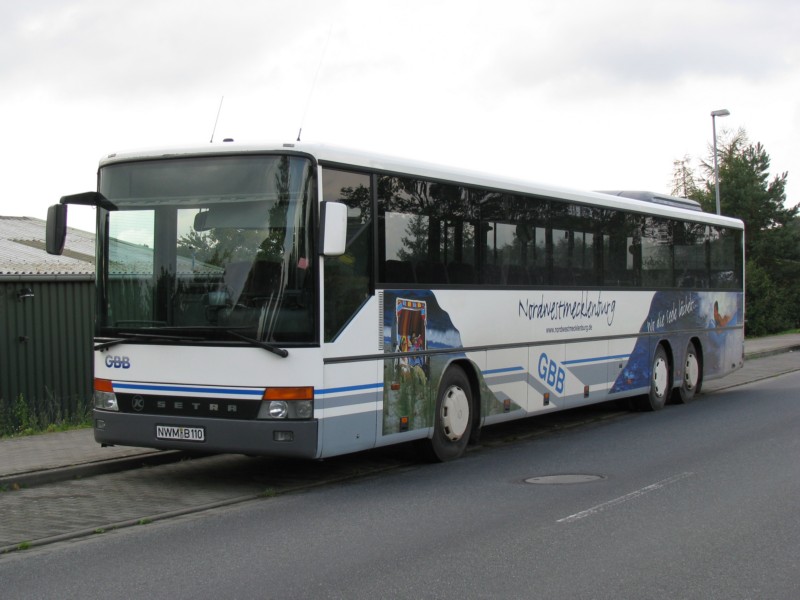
723 112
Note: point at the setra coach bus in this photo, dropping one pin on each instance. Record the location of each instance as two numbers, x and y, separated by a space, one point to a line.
307 300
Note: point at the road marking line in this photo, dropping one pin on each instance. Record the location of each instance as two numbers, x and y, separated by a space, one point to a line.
632 496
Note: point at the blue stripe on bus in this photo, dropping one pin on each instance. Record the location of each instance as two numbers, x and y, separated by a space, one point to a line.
255 392
597 359
503 370
174 388
351 388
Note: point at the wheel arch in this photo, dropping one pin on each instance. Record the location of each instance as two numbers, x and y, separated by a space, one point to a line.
698 347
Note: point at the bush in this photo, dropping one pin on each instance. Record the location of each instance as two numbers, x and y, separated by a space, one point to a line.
26 417
15 416
766 309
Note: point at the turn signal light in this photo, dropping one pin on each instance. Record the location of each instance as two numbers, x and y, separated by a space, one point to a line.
289 393
103 385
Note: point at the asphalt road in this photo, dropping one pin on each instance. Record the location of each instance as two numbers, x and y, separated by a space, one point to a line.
696 501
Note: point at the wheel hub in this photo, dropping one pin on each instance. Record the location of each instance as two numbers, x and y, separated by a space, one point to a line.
691 372
660 376
455 413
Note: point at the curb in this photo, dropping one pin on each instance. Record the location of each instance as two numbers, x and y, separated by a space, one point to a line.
773 352
103 467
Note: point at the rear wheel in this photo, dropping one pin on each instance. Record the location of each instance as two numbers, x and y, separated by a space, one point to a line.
660 382
692 376
453 418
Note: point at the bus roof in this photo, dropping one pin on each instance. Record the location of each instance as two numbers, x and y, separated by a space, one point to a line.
657 198
636 201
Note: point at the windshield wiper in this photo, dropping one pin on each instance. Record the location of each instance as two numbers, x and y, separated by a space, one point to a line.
282 352
154 337
135 337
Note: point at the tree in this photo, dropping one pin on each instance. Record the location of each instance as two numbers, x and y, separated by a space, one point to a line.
220 246
684 181
772 230
747 194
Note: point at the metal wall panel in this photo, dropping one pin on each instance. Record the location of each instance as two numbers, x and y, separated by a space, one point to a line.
46 343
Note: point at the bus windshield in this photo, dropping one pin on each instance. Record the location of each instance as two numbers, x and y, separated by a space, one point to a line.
212 248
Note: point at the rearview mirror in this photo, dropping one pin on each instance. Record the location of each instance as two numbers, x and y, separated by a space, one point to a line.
56 230
333 228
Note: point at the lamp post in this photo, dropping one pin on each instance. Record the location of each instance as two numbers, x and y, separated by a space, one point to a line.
723 112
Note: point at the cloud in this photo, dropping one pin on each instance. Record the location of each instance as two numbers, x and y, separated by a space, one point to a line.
103 49
606 48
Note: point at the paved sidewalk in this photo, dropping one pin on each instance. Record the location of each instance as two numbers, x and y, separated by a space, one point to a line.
50 457
769 346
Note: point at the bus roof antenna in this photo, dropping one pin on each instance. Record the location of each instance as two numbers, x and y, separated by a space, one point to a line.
314 82
213 131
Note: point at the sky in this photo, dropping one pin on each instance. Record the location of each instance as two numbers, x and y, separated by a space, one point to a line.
584 94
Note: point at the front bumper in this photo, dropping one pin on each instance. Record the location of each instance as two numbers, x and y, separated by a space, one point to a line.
254 437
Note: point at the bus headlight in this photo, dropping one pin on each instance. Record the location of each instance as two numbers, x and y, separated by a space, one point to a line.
105 400
304 409
281 409
278 409
287 403
104 397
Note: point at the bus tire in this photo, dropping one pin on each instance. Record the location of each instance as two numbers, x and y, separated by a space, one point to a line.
660 382
452 422
692 376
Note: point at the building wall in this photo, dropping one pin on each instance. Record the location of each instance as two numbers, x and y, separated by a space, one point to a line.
46 343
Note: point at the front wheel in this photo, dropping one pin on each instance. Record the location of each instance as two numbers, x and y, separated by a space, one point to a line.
660 382
453 418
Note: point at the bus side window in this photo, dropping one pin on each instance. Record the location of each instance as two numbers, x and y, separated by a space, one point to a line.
724 258
347 277
426 225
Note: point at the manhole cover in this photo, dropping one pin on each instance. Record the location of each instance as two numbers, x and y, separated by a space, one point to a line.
562 479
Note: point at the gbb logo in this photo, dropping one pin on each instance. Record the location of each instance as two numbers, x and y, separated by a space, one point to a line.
551 373
118 362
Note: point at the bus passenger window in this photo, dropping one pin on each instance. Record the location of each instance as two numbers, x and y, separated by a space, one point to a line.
426 226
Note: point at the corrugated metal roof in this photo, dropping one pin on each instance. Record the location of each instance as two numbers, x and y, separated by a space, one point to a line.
22 250
134 259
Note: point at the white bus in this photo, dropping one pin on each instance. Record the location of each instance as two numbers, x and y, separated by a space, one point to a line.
306 300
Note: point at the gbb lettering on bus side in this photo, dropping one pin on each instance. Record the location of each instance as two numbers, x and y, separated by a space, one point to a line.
118 362
551 373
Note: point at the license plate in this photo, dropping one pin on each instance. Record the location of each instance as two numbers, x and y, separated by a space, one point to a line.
178 432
